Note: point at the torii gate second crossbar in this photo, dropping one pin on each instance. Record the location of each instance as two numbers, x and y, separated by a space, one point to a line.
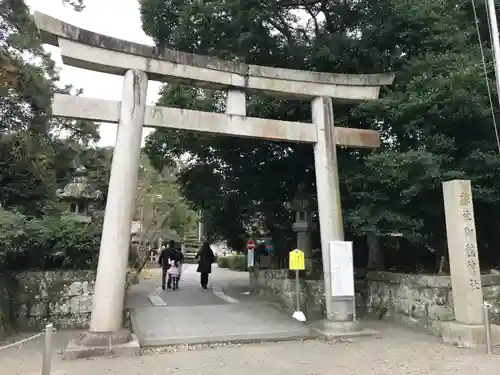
137 64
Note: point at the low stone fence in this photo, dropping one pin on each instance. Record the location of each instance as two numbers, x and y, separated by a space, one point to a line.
29 300
421 302
279 286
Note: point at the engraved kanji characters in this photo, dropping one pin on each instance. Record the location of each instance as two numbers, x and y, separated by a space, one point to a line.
472 264
467 215
474 284
465 198
468 232
470 250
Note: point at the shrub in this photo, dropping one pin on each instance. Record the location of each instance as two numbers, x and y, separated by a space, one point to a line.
223 262
237 262
47 243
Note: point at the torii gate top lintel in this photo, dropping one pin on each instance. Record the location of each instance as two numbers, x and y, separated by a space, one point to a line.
89 50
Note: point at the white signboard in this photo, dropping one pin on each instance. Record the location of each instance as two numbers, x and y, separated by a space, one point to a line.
250 258
341 269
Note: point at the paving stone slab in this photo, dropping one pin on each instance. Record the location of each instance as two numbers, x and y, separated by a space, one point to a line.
215 323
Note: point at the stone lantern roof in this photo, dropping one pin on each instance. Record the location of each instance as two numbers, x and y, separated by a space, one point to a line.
79 193
302 200
79 189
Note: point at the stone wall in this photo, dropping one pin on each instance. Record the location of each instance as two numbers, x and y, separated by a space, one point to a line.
279 286
29 300
419 301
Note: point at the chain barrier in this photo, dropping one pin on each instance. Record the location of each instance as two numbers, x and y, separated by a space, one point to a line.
17 343
47 346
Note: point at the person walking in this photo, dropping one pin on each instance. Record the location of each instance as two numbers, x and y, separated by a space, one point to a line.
164 261
178 258
205 258
174 272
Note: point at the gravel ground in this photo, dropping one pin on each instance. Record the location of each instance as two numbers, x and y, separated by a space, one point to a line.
397 351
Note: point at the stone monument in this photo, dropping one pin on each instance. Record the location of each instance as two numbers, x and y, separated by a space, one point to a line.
80 194
468 328
137 64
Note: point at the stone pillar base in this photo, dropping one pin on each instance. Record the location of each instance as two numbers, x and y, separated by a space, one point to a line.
330 330
468 336
95 344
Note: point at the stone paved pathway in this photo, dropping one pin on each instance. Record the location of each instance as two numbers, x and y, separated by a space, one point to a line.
192 315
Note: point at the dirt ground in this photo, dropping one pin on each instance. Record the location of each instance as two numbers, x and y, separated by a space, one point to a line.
396 351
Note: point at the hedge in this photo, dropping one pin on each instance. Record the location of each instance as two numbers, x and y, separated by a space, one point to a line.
223 261
33 244
233 262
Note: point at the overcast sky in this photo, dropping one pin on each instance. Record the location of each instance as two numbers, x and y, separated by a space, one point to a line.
116 18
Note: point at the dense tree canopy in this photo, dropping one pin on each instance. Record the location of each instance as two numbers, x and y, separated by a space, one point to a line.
435 120
39 153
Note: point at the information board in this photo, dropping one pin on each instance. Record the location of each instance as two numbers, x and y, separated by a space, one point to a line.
341 269
296 260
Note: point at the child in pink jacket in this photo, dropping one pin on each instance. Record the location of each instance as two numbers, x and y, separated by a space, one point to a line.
174 272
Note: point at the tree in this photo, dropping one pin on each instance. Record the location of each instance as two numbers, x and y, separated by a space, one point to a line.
160 210
32 153
434 121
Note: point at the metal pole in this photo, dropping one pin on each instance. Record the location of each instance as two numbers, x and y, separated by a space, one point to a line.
496 42
297 290
47 350
354 307
200 226
487 329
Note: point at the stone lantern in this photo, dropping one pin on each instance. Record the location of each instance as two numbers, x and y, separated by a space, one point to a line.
303 225
79 194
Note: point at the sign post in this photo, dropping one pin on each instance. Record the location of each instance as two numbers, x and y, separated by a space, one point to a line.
250 253
297 263
342 271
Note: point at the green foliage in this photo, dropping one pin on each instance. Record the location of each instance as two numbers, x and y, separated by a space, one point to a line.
47 243
237 262
77 5
223 261
161 209
34 157
434 121
160 204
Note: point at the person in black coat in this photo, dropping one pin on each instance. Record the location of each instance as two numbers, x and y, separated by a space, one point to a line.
205 258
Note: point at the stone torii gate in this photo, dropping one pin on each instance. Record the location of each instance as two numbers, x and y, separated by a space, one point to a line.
137 63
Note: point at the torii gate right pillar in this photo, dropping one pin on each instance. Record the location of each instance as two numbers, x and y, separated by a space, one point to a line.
327 186
339 311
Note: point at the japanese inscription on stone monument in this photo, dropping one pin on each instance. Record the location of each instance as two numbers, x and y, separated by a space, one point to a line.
470 247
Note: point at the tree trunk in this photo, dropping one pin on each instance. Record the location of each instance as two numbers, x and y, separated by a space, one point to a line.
375 255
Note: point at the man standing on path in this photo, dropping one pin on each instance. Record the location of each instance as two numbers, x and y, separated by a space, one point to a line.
164 261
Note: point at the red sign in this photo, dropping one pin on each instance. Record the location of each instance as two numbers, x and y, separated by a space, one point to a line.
250 245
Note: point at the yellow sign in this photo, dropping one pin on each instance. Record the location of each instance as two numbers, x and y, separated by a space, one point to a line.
296 260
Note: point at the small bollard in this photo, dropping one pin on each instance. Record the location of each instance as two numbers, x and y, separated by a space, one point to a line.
487 329
47 350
